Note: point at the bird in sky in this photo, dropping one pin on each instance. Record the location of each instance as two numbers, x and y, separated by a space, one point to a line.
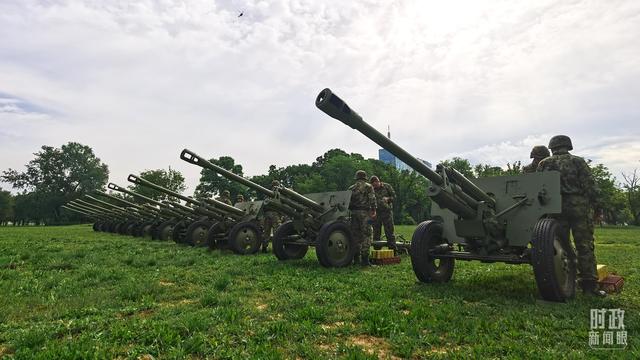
241 13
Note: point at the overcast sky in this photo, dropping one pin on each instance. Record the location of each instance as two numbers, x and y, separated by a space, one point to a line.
485 80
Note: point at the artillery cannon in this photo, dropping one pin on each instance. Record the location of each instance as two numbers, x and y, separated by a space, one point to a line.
92 215
163 212
496 219
108 218
209 221
130 217
141 226
317 219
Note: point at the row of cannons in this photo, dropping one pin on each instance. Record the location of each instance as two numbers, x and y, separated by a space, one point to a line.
506 219
319 219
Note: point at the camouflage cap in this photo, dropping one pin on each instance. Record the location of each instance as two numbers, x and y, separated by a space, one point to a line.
226 193
240 197
559 141
275 183
539 152
374 179
361 175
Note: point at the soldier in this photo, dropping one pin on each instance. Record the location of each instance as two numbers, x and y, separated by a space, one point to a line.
225 197
363 207
538 153
384 202
239 198
270 221
578 193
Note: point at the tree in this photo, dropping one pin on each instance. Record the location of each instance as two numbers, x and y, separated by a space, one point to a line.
56 176
632 189
211 184
6 206
484 170
462 165
169 179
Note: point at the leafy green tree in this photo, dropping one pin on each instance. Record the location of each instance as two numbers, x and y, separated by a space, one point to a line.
169 179
54 177
484 170
6 206
212 185
462 165
631 187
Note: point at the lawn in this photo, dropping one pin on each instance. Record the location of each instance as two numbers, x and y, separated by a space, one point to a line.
68 292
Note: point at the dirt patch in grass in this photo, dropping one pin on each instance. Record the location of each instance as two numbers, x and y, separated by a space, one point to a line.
373 345
443 350
327 327
261 306
5 351
146 357
166 283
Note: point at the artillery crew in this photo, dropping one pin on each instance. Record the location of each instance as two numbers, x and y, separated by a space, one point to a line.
578 194
270 221
225 197
538 153
385 196
239 198
363 207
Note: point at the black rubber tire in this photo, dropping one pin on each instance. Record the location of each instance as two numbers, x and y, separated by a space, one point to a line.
335 246
145 230
131 229
111 227
245 238
180 231
216 237
427 235
197 233
553 261
284 251
96 226
164 231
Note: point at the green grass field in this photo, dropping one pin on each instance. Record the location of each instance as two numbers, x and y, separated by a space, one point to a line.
68 292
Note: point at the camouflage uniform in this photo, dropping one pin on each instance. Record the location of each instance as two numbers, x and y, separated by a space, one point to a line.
225 197
239 198
384 213
578 193
538 153
363 200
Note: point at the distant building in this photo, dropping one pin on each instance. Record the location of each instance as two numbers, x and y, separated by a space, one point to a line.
388 158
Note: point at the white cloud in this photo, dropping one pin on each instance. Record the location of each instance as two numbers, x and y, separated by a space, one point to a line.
140 80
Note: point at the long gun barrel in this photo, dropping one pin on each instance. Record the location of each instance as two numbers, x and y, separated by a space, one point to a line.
163 207
218 204
195 159
467 194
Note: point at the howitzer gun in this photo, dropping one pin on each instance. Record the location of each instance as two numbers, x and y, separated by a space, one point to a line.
317 219
165 214
209 222
496 219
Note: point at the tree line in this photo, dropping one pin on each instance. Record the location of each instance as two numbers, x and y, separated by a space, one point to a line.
58 175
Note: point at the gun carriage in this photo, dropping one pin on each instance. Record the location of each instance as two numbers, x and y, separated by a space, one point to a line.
496 219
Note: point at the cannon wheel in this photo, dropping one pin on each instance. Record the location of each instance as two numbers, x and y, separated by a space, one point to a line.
96 226
197 233
245 238
145 230
281 249
215 236
553 261
427 269
335 246
164 231
179 231
131 228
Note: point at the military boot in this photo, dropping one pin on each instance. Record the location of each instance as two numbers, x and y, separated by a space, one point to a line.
590 288
365 260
